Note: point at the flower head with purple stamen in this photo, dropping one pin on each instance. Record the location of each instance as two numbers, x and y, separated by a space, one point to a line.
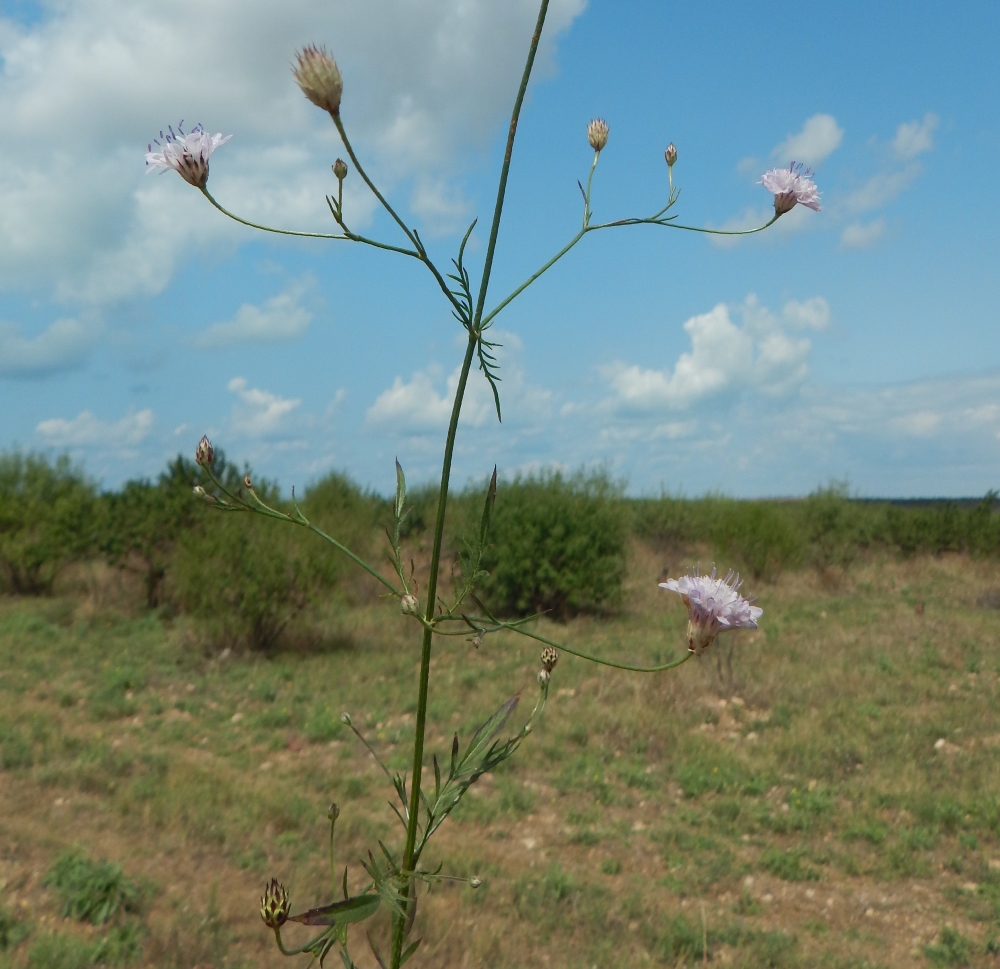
714 606
186 154
791 186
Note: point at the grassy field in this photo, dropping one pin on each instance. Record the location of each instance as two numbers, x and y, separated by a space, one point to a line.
823 792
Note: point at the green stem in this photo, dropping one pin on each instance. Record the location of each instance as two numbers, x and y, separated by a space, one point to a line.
352 237
612 225
597 659
686 228
502 189
399 925
421 253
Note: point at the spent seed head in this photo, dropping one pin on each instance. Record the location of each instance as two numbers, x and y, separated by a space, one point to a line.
597 134
318 76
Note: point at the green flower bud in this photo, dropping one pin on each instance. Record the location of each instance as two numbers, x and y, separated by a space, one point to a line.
274 905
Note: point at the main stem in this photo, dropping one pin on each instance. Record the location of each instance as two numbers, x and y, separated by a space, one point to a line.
399 923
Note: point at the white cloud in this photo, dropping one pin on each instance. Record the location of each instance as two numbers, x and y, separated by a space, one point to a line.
724 357
811 314
915 137
819 138
83 91
86 430
881 189
417 407
859 235
281 318
414 406
921 423
63 345
259 413
441 206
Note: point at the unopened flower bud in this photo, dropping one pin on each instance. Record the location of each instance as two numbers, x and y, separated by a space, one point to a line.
670 154
346 718
550 656
204 453
247 482
334 811
319 78
200 492
274 905
340 169
597 134
543 677
475 881
409 605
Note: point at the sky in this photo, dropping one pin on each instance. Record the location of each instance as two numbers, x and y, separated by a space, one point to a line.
857 344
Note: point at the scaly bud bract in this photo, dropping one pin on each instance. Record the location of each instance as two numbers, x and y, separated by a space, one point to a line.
319 78
550 656
409 605
597 134
274 905
204 453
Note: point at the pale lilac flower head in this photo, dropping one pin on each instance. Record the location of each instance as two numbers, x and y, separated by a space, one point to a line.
186 154
714 605
791 186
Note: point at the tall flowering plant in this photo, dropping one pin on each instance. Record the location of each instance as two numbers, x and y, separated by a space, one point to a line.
714 605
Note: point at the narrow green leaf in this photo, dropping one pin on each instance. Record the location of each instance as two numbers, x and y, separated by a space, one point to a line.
410 949
355 909
482 737
454 754
400 490
345 883
491 500
375 952
437 768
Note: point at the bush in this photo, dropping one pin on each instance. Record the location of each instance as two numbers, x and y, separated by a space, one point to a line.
558 545
242 577
92 891
144 521
48 516
756 536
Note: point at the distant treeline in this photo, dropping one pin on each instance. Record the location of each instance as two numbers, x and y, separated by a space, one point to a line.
560 541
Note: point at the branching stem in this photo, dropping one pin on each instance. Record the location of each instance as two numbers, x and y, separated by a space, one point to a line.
399 927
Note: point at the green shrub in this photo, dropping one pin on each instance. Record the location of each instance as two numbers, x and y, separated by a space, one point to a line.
242 577
143 522
756 536
92 891
12 929
558 545
48 516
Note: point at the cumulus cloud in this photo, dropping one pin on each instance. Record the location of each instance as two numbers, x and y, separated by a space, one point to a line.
811 314
417 406
881 189
915 137
859 235
259 413
819 138
423 81
63 345
281 318
759 355
87 431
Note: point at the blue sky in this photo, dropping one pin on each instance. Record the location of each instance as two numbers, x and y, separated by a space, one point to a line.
857 343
